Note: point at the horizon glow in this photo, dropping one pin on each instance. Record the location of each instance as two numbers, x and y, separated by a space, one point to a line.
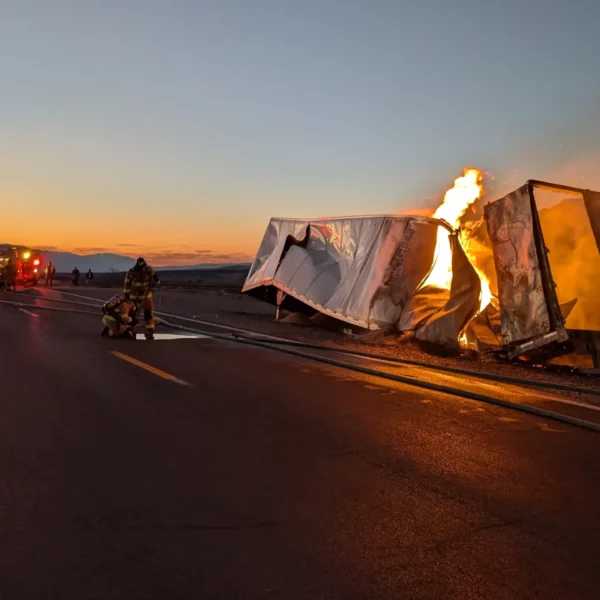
179 130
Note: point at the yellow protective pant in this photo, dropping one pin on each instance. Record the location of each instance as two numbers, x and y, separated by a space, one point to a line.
114 329
147 305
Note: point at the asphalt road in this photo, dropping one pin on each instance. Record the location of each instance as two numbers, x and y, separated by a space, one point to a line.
187 469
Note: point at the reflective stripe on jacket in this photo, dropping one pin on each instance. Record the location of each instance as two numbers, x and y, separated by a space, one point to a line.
139 282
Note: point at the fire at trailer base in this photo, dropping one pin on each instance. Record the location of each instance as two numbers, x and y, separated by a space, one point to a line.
466 190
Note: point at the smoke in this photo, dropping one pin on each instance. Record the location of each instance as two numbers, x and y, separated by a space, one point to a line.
566 152
417 212
574 258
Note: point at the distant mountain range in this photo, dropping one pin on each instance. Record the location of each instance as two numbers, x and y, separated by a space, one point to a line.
106 262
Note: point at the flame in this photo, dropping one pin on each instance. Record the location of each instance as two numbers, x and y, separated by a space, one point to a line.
475 250
486 293
466 190
457 199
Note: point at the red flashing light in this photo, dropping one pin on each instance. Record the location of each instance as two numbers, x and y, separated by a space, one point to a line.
36 261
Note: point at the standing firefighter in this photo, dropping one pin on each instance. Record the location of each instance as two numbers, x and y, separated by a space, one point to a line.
139 283
49 274
10 275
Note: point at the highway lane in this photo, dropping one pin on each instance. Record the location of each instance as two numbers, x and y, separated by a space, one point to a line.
582 406
271 477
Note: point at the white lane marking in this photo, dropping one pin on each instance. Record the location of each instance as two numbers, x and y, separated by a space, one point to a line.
27 312
173 336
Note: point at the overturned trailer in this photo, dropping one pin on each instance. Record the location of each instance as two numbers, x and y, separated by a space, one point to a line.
339 266
365 271
373 272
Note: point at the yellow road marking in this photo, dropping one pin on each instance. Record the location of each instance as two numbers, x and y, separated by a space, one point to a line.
150 368
544 427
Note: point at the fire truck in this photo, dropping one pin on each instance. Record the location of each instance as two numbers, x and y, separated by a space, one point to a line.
28 264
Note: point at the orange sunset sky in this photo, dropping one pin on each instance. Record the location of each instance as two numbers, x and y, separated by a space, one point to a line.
176 130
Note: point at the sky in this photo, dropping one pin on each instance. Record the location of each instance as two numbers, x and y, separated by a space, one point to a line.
179 128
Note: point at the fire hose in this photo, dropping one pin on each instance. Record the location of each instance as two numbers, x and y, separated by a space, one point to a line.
37 306
242 333
270 345
441 368
401 379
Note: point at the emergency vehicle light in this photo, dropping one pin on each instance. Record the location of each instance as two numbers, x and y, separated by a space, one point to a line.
36 261
26 255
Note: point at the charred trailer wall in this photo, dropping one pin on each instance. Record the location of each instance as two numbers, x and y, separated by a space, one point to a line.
523 308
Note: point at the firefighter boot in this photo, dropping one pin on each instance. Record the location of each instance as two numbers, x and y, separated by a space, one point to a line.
148 318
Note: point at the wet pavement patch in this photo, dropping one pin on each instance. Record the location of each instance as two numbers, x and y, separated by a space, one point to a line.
173 336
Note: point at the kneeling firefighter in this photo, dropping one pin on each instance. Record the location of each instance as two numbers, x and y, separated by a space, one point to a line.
139 283
119 317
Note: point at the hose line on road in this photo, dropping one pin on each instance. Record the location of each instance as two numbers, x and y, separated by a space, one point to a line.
243 333
164 314
279 340
442 368
278 344
405 380
73 302
55 308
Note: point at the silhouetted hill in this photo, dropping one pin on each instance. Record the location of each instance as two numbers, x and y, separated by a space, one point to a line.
105 262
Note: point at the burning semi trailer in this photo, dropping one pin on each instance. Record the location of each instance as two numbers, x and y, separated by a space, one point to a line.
485 285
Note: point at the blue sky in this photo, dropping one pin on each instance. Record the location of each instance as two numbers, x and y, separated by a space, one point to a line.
208 117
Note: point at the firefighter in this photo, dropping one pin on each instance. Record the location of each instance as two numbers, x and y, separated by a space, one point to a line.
10 275
75 276
119 317
49 274
139 283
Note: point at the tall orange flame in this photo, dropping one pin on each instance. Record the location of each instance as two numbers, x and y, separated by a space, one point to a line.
458 198
466 190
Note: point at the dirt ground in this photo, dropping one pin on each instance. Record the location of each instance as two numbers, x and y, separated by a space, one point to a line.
227 307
